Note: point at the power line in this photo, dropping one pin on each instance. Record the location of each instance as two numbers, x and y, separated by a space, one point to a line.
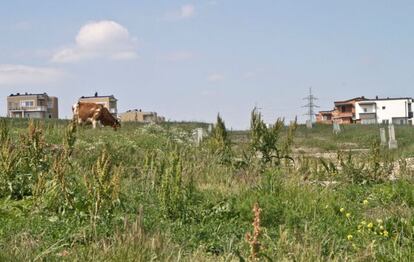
310 105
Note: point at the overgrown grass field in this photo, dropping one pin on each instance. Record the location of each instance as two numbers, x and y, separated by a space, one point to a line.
149 192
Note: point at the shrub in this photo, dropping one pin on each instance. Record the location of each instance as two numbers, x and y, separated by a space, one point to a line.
266 141
219 142
103 187
10 183
171 189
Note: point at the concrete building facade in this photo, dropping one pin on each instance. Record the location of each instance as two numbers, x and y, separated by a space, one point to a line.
397 111
324 117
110 102
343 112
140 116
26 105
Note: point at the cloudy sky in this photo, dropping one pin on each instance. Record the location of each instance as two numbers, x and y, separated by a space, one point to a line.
189 60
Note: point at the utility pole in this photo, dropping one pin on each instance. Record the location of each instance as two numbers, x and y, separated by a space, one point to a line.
310 105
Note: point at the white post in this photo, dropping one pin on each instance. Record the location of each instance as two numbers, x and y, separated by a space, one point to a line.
383 137
336 128
392 143
198 134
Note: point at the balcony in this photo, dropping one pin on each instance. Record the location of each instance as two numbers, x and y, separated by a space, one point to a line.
343 114
31 108
368 115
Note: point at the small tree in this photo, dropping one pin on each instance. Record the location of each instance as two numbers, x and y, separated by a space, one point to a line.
266 140
219 141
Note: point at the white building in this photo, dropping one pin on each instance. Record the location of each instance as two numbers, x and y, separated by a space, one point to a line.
384 111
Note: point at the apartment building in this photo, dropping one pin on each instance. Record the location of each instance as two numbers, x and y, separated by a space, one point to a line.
109 102
41 106
140 116
343 112
385 111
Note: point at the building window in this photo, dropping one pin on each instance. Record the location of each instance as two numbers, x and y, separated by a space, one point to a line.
365 110
383 108
27 103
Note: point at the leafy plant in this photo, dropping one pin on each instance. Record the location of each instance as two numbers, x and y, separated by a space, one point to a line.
219 142
266 141
171 192
10 184
254 238
34 153
103 187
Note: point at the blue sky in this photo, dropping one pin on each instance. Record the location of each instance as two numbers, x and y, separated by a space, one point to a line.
189 60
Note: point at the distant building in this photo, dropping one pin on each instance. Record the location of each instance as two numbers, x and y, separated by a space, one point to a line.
343 112
140 116
27 105
385 111
324 117
109 102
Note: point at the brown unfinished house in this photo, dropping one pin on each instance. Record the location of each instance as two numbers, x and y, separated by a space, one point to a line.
140 116
26 105
324 117
343 113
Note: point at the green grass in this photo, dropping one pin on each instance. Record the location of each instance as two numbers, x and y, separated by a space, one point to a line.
162 198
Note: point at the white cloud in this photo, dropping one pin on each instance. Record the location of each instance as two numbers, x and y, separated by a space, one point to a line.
22 26
209 93
212 2
187 11
14 75
215 77
253 73
179 56
249 75
106 39
369 60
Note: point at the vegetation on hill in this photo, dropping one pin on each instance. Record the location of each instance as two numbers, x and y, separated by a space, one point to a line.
148 192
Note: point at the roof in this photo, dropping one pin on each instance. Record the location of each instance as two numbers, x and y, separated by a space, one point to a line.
360 98
140 111
28 94
111 96
367 102
389 98
326 112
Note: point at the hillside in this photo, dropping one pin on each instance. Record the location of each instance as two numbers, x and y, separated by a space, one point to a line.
147 192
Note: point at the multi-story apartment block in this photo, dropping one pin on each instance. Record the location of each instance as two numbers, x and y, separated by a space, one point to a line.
32 106
109 102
